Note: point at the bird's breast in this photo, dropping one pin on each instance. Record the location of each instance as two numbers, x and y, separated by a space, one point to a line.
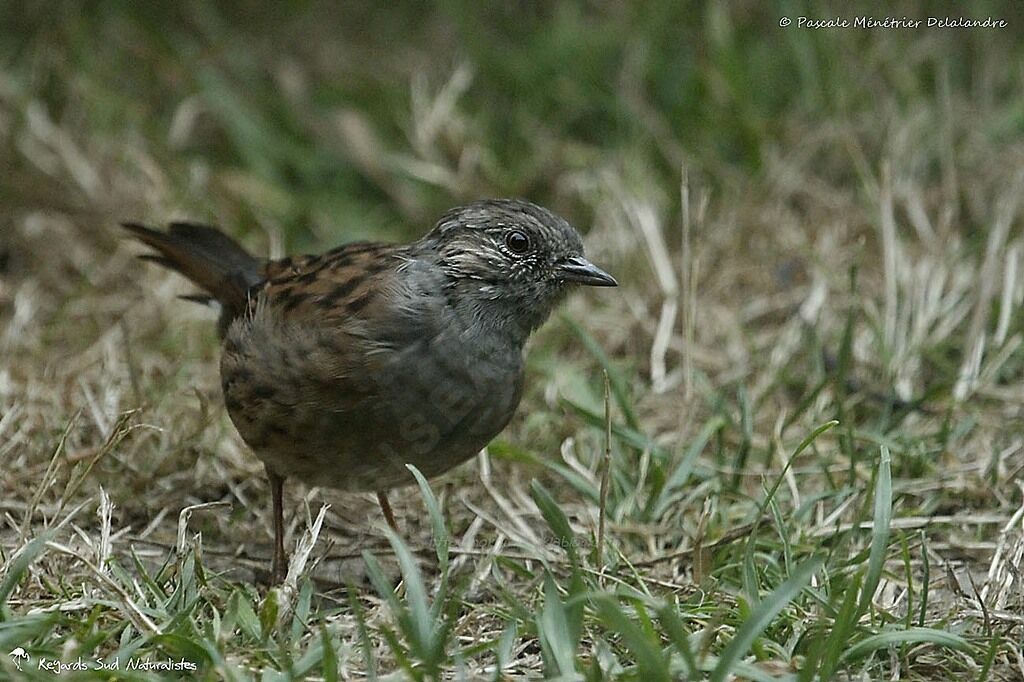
433 401
450 398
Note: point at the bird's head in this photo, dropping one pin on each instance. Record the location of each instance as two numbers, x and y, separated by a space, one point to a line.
510 261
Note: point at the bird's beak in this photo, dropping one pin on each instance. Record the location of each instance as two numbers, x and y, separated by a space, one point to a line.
578 269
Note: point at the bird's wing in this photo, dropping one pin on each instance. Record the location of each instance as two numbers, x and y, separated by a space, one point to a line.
320 328
335 285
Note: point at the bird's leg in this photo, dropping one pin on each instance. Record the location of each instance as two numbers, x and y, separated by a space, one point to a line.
385 506
279 564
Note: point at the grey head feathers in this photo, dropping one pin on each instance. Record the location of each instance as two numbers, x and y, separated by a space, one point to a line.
508 262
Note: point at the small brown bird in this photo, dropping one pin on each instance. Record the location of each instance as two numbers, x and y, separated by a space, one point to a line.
338 369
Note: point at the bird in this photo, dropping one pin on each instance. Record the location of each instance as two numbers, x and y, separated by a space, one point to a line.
339 369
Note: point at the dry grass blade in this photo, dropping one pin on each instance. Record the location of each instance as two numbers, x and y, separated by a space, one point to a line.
48 478
138 618
288 590
183 517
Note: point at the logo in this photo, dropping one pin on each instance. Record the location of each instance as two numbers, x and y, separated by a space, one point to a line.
17 655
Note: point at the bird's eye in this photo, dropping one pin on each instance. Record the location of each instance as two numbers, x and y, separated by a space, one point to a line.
517 242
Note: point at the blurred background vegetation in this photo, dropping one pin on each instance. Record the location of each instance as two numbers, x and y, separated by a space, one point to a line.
345 120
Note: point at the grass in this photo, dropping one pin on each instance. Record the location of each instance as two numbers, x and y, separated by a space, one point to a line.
789 446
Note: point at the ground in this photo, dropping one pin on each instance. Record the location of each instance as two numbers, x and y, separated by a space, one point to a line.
813 455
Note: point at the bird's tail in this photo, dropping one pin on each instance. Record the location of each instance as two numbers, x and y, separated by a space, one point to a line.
209 258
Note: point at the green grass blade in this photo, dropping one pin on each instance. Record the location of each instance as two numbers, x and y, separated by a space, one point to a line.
503 649
557 639
750 582
421 632
925 579
618 384
884 640
365 643
18 569
833 647
330 660
682 472
556 519
880 528
672 624
651 662
761 617
436 519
